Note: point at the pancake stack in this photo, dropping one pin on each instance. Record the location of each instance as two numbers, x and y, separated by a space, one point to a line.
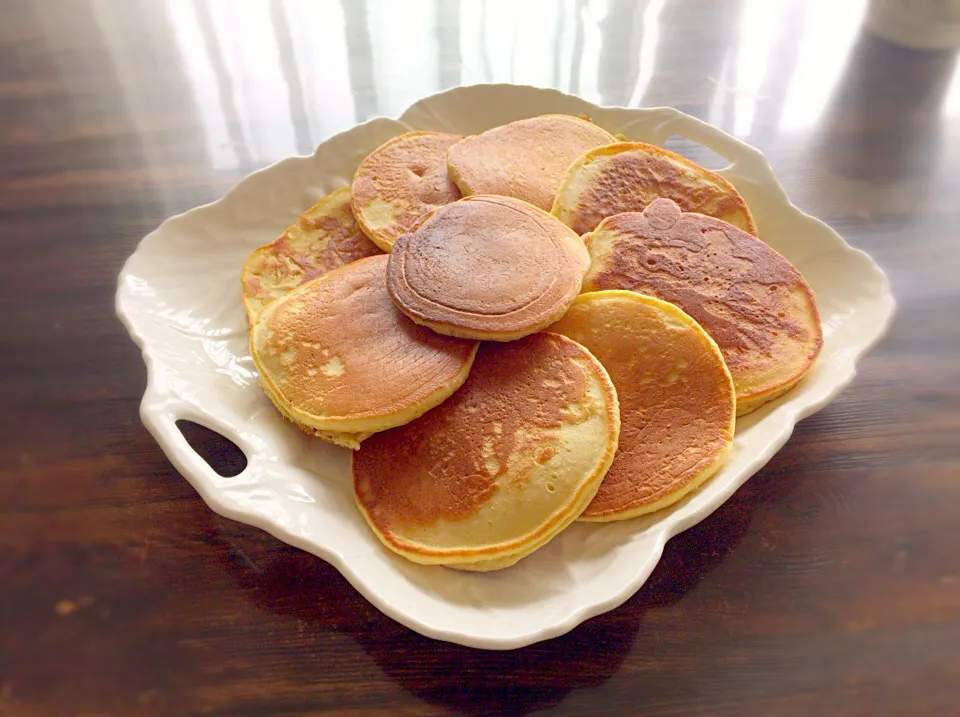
565 326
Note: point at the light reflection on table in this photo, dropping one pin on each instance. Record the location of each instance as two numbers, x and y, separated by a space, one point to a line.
276 78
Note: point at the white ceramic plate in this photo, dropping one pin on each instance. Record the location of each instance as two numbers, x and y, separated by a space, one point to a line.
179 295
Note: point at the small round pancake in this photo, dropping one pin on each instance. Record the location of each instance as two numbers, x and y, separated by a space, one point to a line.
525 159
499 468
400 181
752 301
337 355
325 237
487 267
676 396
628 176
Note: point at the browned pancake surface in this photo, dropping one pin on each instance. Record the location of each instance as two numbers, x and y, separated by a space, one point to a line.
339 348
487 264
750 299
628 176
500 446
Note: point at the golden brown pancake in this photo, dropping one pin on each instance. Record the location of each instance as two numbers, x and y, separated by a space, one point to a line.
752 301
401 181
525 159
677 401
336 354
325 237
628 176
499 468
487 267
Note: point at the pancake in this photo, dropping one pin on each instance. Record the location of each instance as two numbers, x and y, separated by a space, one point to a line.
499 468
325 237
676 396
336 355
628 176
487 267
526 159
400 181
339 438
751 300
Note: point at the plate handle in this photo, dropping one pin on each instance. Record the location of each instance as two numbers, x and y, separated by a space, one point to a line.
160 410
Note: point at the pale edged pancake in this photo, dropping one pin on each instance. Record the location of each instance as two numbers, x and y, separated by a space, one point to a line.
752 301
502 466
677 402
487 267
335 355
339 438
526 159
324 237
628 176
400 181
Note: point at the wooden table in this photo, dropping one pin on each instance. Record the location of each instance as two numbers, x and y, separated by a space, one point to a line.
828 585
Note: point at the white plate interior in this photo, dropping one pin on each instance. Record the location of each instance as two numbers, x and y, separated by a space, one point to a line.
179 295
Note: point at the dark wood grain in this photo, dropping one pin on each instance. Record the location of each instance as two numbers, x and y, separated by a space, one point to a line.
828 585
